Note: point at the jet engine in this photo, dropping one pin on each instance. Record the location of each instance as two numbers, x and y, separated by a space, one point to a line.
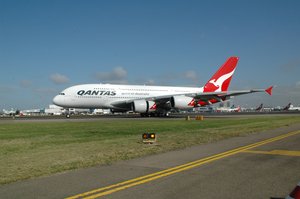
143 106
182 102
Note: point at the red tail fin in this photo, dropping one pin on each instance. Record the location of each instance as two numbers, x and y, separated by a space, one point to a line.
221 79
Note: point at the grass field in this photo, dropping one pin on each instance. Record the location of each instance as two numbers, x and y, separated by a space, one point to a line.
34 149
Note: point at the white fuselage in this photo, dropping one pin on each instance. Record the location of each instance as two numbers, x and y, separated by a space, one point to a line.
104 95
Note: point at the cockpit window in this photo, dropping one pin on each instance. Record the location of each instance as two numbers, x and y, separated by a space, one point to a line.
61 93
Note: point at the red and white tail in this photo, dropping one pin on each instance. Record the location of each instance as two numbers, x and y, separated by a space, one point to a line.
221 79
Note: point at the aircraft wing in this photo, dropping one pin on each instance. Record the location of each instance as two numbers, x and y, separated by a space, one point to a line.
221 96
206 97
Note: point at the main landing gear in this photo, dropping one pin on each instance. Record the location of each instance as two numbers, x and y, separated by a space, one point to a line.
155 114
68 115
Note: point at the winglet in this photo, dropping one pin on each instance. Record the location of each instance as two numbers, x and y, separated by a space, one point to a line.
269 90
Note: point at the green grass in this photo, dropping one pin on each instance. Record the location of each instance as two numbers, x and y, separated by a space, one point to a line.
34 149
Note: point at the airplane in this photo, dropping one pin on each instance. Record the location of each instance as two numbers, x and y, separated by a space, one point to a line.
153 100
260 107
9 112
287 107
229 109
290 107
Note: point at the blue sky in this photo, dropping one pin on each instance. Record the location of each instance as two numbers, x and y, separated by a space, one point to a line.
46 46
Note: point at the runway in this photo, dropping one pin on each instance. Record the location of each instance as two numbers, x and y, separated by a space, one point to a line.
80 118
261 165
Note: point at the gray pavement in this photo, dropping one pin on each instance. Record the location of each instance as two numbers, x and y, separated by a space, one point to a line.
173 116
243 175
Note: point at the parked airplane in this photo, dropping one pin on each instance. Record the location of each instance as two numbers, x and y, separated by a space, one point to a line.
9 112
229 109
290 107
286 108
153 100
259 108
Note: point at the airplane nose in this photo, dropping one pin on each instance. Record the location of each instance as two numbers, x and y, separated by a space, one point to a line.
57 100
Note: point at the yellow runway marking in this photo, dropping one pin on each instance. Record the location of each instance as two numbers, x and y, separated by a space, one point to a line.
276 152
96 193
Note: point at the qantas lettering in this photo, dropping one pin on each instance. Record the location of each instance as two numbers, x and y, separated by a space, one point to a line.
91 92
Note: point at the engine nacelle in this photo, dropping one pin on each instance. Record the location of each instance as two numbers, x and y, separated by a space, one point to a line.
143 106
182 102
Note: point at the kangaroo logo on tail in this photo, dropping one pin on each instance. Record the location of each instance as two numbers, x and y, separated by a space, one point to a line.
221 79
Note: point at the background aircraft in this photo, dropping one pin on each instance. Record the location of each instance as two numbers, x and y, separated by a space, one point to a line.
229 109
290 107
259 108
153 100
9 112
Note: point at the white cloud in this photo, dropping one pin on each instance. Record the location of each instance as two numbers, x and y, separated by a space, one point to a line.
191 75
150 82
59 78
117 75
43 91
291 66
184 78
25 83
7 89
